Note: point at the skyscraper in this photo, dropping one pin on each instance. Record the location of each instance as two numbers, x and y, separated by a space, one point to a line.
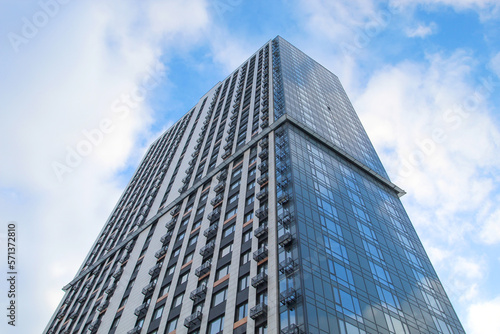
265 209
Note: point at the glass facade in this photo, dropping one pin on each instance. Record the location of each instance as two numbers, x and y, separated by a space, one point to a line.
265 209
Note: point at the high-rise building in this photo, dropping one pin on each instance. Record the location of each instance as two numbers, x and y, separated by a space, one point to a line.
265 209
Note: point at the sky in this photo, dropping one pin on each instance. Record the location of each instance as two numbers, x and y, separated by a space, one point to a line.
105 78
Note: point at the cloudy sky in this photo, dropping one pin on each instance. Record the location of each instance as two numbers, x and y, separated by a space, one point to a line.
424 76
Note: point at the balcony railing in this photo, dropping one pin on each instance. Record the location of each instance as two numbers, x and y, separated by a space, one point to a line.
261 212
220 186
264 154
263 167
287 266
263 179
161 252
165 239
148 289
285 240
118 273
193 320
262 194
155 270
199 293
171 224
203 269
211 231
259 279
208 249
94 326
141 310
217 199
110 289
264 142
135 330
103 305
283 198
285 218
260 231
214 214
292 329
260 254
289 297
258 311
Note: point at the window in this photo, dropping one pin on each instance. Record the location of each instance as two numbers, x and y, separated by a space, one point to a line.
252 172
251 185
247 236
203 197
188 258
123 302
245 257
115 323
216 326
158 312
193 240
139 323
189 208
241 311
176 252
171 325
219 297
237 172
249 216
226 250
243 282
196 224
235 185
170 271
221 272
228 231
233 199
130 284
184 278
180 236
252 160
185 221
250 200
164 290
261 329
177 300
200 210
231 213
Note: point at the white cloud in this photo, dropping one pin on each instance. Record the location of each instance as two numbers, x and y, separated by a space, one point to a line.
483 317
422 30
487 9
490 229
63 82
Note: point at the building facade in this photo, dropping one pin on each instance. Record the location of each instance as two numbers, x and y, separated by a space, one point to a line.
265 209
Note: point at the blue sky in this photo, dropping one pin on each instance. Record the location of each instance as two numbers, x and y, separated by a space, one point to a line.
424 76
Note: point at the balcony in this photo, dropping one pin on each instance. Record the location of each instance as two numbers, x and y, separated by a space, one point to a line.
222 175
226 155
109 291
211 231
171 224
287 266
82 299
73 315
103 305
217 199
118 273
261 212
285 240
165 239
263 167
148 289
262 194
203 269
155 270
161 252
289 297
264 143
260 254
283 183
220 187
259 279
60 315
285 218
199 293
94 326
228 146
260 231
259 310
135 330
264 154
124 258
193 320
292 329
283 199
263 179
175 210
208 249
214 215
141 310
183 188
